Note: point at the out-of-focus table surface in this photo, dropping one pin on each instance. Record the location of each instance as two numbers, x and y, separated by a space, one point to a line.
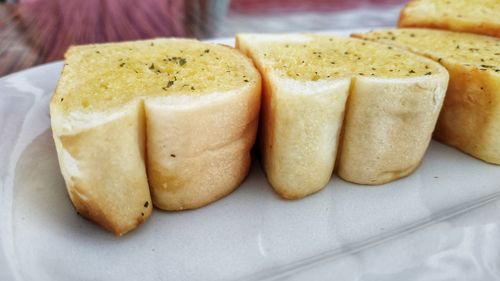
38 31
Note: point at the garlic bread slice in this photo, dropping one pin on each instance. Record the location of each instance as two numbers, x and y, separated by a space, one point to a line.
393 99
168 122
474 16
470 118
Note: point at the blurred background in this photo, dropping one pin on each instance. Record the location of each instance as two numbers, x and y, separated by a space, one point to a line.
39 31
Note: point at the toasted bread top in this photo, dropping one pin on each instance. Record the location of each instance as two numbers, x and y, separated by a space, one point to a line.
103 76
473 10
307 57
482 52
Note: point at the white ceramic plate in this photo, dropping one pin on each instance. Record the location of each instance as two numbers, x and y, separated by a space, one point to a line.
440 223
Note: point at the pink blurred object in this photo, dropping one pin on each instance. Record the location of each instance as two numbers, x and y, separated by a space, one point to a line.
52 26
272 6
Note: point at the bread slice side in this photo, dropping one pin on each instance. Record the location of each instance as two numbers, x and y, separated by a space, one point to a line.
213 155
102 161
469 119
388 126
475 16
300 133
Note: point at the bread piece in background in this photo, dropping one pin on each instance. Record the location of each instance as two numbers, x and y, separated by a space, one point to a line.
179 114
470 118
475 16
394 100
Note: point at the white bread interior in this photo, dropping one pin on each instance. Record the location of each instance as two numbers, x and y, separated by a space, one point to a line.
474 16
304 103
470 118
172 117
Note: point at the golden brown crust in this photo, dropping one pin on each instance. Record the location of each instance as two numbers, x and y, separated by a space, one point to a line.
470 116
409 17
104 170
91 210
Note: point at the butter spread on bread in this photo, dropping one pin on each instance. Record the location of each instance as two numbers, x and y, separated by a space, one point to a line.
393 99
470 118
475 16
174 118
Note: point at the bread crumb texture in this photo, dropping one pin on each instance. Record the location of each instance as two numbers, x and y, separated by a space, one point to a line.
470 50
103 76
315 59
